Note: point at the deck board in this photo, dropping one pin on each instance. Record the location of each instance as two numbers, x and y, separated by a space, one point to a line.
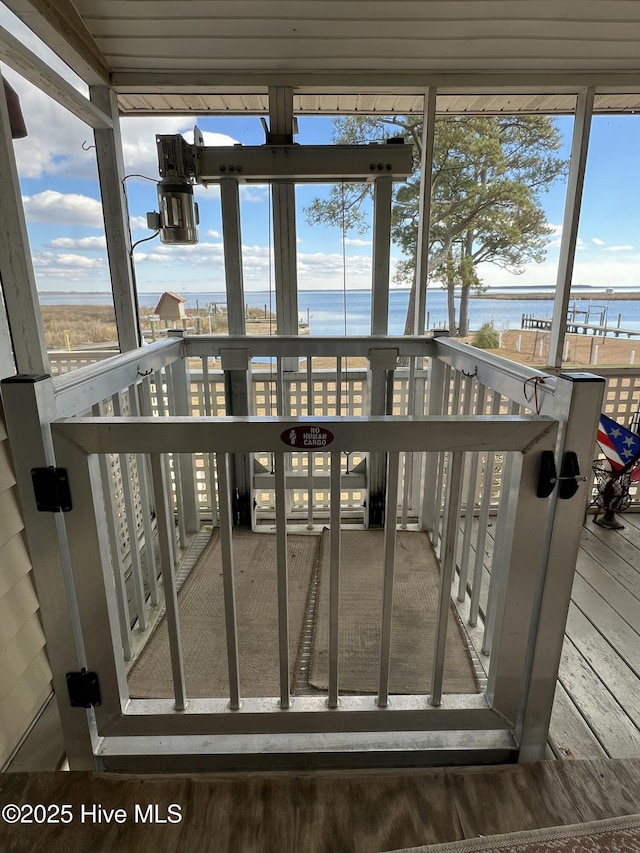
596 711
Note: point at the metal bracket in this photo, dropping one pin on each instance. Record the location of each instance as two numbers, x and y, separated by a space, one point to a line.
51 489
569 479
84 690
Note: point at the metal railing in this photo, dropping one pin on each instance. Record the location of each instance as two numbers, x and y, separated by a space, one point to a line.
452 437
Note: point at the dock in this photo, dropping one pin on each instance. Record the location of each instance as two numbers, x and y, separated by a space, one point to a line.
578 326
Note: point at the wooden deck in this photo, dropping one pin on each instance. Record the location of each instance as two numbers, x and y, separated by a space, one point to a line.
596 712
597 707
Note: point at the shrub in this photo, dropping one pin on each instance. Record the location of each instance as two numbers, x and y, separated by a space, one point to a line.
486 337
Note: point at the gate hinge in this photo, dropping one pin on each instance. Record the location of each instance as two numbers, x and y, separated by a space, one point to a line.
84 690
51 488
569 479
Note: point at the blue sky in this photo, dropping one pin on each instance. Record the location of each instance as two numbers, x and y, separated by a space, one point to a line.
60 189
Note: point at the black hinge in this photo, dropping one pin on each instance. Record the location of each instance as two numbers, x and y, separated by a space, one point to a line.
51 488
84 690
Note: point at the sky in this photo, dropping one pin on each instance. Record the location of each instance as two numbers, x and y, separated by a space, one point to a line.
59 183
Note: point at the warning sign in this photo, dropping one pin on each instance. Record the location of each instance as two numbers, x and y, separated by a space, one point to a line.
307 437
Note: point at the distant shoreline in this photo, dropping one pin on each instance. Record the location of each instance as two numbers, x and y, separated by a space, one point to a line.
599 295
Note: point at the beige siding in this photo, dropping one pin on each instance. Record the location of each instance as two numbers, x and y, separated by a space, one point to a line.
25 677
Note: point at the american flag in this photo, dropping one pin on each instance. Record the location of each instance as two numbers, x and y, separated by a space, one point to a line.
618 444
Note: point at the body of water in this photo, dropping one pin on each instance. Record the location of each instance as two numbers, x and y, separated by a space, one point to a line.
329 313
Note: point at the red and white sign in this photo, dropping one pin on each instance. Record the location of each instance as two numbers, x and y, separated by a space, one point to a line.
307 437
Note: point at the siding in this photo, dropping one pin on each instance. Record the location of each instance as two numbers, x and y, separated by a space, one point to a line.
25 677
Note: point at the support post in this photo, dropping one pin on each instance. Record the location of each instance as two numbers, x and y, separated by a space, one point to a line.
382 363
424 211
29 408
575 184
237 391
232 243
116 220
281 130
16 267
580 395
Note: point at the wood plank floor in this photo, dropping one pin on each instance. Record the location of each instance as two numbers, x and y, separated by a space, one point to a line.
362 812
597 707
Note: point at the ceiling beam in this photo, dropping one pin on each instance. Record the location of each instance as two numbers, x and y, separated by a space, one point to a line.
14 54
410 82
59 26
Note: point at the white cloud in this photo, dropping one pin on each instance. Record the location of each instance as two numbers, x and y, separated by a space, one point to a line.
138 223
180 256
212 233
88 244
619 249
57 208
356 241
253 194
597 241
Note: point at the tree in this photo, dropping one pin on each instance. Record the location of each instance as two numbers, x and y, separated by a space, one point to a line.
489 174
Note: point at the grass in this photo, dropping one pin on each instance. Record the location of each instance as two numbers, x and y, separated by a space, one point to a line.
76 326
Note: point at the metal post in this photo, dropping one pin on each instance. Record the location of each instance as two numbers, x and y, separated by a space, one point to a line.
226 549
283 581
232 244
281 126
580 396
116 220
381 255
29 408
236 366
165 543
575 184
334 580
424 210
382 699
448 563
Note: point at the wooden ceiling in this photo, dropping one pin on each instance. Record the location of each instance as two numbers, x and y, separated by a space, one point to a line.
348 55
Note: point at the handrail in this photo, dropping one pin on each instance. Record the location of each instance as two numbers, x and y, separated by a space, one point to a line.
507 377
77 391
284 346
383 433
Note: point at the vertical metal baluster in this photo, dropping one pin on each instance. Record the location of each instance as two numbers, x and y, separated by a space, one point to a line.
409 458
283 580
483 523
161 377
280 387
208 410
165 543
310 456
334 580
339 386
122 603
501 543
470 499
446 576
145 506
145 408
130 516
177 475
226 549
437 382
472 489
393 465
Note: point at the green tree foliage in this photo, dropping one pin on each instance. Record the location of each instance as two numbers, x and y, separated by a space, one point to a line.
486 337
489 174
